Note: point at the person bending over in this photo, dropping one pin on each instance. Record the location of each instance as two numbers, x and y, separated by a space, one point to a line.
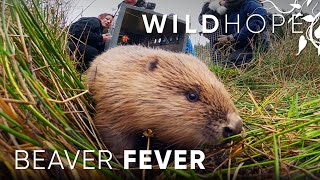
87 38
240 43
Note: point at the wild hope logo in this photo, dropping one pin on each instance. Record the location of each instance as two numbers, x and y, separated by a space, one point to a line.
312 33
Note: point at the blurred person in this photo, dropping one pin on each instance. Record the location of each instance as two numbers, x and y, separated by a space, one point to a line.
139 3
87 38
130 2
240 44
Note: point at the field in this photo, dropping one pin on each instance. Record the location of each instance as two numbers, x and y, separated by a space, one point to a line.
44 105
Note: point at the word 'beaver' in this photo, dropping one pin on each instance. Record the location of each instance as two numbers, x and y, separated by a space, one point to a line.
176 95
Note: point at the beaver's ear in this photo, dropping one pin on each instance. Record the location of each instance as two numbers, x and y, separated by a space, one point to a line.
153 65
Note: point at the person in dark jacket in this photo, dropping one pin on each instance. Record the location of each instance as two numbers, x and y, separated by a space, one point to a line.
243 41
87 39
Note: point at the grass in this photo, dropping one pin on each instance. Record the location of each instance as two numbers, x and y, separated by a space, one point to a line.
45 105
278 97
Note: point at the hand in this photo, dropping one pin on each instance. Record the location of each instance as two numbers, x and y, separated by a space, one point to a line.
222 2
106 37
224 39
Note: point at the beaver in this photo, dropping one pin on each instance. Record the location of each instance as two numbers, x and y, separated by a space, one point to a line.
174 94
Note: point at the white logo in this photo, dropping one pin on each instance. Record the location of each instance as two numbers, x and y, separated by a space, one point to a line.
312 33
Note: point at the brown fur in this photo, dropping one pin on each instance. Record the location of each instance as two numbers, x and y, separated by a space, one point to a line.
137 88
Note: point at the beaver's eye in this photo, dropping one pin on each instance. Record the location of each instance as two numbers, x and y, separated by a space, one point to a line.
192 96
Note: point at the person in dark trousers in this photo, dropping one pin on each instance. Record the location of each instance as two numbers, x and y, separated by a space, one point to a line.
87 40
242 43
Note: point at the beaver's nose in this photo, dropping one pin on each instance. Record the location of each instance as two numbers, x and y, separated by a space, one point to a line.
232 129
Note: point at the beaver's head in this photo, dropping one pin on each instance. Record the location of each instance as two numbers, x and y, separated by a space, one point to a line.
175 95
183 101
